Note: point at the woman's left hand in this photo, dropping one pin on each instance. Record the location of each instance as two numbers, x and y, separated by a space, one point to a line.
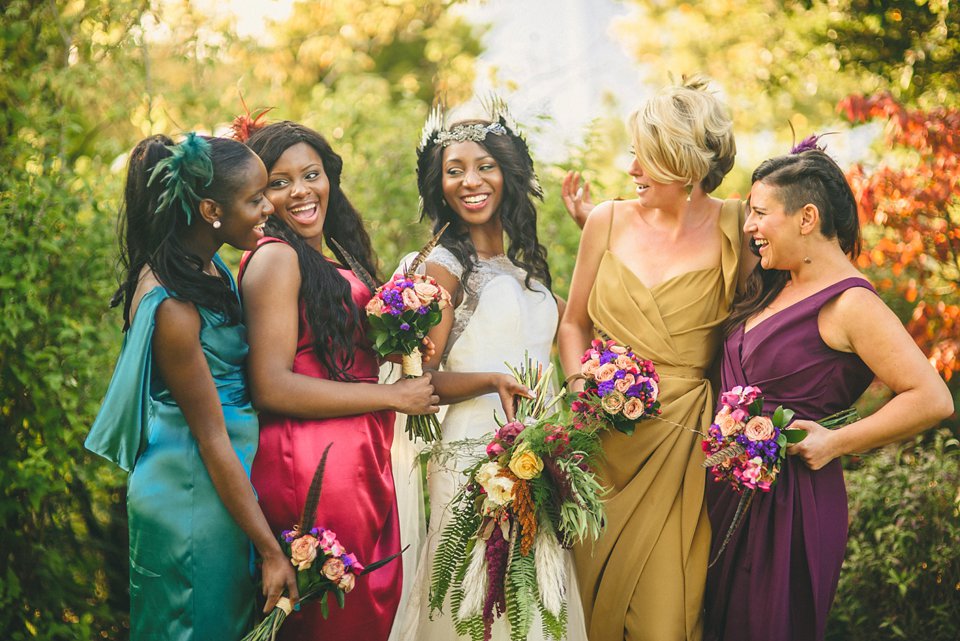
817 448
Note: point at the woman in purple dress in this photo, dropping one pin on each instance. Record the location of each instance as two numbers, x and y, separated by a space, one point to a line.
812 333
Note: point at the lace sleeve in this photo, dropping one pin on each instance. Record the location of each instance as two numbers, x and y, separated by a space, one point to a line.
443 257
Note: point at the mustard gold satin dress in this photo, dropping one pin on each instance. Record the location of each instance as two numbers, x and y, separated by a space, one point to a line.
644 578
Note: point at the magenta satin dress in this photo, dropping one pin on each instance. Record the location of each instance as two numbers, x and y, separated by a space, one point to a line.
778 576
358 501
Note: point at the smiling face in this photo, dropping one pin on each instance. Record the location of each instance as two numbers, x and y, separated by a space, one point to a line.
653 194
472 182
299 189
242 218
774 233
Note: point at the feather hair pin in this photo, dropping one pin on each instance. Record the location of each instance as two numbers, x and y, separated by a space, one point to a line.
247 123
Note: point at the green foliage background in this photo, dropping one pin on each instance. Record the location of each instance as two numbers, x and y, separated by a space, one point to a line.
82 80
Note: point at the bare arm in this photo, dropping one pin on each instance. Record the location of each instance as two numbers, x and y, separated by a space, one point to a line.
576 328
271 286
183 368
921 397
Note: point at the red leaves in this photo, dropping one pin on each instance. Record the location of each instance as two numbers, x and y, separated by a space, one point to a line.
913 197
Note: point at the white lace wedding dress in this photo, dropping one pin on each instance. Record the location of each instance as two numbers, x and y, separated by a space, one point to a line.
498 321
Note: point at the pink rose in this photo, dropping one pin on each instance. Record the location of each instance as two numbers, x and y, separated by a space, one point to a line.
654 389
589 368
728 425
606 372
494 449
347 583
752 471
633 409
303 551
759 428
333 569
625 383
426 292
509 432
410 299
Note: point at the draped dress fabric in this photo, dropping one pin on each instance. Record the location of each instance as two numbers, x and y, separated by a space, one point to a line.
644 577
357 501
499 321
778 575
191 570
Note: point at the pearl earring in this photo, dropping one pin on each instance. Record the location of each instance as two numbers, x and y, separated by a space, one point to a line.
806 259
216 224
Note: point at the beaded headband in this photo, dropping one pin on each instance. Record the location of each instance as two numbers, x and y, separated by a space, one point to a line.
501 124
187 168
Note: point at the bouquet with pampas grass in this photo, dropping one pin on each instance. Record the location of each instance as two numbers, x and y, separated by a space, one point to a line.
534 494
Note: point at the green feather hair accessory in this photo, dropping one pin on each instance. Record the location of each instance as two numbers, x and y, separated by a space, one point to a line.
188 168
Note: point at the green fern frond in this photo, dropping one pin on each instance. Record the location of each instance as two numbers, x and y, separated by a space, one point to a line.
451 556
522 594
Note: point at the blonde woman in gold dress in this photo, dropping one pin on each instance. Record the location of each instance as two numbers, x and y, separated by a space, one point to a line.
658 273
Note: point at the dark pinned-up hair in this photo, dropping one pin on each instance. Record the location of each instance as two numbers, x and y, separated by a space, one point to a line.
517 211
331 313
151 227
809 177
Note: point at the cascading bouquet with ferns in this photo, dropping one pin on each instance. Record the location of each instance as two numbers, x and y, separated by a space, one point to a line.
323 564
534 494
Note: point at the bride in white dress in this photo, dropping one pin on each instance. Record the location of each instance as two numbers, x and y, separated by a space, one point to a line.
478 176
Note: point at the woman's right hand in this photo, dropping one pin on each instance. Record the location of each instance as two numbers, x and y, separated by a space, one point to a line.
508 388
415 396
576 198
279 577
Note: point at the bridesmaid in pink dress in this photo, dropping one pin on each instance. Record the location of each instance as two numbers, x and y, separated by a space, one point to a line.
313 376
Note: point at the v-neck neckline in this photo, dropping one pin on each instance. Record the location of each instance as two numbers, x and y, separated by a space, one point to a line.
746 332
663 282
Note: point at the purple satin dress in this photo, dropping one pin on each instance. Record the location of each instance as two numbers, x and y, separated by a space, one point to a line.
778 576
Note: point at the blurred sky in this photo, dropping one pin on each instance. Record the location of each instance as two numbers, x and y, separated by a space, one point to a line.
559 64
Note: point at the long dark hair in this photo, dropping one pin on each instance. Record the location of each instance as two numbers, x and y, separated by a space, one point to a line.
151 235
810 177
331 313
517 211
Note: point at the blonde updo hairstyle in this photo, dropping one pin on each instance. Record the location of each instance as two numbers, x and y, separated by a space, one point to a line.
684 134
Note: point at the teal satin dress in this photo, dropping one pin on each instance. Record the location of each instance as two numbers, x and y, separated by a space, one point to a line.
190 563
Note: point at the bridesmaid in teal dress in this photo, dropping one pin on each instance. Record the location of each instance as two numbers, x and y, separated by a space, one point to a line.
177 413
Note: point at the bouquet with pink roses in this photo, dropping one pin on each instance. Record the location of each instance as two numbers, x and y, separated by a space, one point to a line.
746 448
621 387
323 564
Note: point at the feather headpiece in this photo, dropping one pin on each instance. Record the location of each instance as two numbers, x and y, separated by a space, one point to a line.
187 169
247 123
810 143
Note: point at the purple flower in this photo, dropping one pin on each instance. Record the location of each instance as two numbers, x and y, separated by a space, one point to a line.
605 388
405 327
607 357
423 311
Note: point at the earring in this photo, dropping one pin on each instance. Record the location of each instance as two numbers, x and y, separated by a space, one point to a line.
689 189
216 224
806 259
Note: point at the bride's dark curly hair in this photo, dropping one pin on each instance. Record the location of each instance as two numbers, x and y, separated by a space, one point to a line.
331 313
517 211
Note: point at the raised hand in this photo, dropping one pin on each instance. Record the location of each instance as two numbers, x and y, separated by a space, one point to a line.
415 395
576 198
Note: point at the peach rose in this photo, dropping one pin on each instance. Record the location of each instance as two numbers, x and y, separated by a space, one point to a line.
589 369
606 371
625 383
613 402
618 349
426 292
410 299
625 362
727 424
303 551
633 408
525 463
375 306
347 583
759 428
333 569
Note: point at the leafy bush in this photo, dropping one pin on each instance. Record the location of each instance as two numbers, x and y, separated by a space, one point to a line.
901 575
